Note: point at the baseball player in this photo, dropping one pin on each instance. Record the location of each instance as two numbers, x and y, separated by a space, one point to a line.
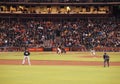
106 60
26 57
59 50
63 50
93 52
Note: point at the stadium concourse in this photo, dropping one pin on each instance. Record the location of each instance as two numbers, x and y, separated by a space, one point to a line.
86 32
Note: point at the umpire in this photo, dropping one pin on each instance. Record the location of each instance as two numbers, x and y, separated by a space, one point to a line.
106 59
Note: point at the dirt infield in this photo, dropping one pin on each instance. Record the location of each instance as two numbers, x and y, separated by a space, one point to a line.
57 62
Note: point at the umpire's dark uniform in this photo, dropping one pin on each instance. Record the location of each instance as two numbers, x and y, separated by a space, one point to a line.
106 60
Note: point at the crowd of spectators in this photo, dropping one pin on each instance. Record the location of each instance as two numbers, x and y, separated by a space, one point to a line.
85 32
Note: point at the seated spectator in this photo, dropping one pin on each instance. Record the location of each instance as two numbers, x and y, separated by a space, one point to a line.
102 32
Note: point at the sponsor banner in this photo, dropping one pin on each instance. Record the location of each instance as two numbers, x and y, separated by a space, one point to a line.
36 49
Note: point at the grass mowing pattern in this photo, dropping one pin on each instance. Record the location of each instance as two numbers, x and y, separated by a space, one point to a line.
58 75
76 56
12 74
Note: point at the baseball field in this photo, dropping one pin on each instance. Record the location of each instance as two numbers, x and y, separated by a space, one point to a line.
52 68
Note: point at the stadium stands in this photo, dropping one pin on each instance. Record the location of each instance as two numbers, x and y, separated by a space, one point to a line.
77 28
87 32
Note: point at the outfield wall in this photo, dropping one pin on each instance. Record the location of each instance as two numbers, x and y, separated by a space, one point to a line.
41 49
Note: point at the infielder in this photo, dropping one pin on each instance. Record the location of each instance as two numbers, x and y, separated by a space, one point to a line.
26 57
93 52
59 50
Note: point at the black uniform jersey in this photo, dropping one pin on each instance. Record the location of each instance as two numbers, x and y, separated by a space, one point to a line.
105 56
26 53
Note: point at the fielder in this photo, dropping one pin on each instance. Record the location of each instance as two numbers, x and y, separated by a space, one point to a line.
59 50
26 57
92 52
